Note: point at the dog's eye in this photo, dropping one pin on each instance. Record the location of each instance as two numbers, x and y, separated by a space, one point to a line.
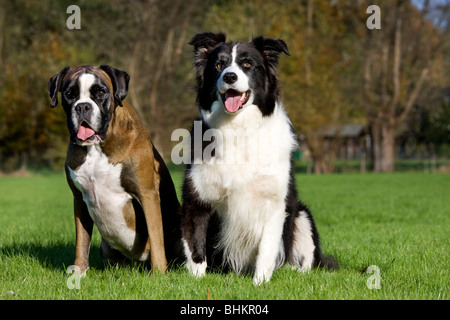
219 66
101 94
247 65
70 94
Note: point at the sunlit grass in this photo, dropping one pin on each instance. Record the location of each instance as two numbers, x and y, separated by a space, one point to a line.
398 222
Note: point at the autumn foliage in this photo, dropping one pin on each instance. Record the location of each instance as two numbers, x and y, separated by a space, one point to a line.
338 71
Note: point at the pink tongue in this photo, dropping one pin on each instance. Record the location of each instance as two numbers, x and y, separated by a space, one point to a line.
84 133
233 101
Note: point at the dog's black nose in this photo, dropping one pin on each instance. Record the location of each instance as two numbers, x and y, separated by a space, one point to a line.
230 77
83 108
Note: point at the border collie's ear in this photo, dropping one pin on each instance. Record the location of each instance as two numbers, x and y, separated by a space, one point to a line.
204 42
120 80
270 48
54 85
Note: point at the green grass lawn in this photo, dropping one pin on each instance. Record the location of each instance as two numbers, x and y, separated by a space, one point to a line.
398 222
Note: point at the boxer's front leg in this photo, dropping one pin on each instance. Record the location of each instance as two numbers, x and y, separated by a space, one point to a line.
83 225
152 209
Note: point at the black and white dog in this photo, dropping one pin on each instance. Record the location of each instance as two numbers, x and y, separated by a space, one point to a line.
242 202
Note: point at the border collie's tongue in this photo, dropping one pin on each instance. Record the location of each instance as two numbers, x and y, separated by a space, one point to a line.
84 132
233 100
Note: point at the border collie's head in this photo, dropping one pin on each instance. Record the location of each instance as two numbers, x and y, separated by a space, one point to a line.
237 74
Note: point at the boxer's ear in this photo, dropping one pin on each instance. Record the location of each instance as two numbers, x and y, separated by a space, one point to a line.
54 85
120 80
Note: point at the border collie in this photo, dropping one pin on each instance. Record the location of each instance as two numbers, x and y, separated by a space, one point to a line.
240 206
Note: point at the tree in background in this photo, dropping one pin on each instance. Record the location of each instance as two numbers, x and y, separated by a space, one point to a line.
30 49
338 71
401 60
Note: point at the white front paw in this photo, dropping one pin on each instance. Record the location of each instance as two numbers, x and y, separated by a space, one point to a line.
198 270
260 277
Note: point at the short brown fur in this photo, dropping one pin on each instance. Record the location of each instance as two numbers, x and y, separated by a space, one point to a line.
153 210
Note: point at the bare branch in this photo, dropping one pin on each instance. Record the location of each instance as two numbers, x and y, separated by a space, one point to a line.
412 96
397 58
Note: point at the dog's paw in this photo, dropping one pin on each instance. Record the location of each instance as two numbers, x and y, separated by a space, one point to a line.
197 270
260 277
301 268
79 271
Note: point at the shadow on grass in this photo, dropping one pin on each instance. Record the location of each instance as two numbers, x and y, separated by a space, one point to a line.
61 255
56 256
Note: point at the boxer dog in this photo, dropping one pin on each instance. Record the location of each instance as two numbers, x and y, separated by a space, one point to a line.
117 177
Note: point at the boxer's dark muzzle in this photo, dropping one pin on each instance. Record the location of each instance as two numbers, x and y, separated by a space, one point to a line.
85 129
83 110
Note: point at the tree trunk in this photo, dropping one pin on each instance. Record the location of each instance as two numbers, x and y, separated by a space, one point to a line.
323 153
322 165
317 145
388 97
383 146
2 18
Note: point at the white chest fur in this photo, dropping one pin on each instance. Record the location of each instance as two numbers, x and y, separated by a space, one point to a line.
99 182
248 191
253 154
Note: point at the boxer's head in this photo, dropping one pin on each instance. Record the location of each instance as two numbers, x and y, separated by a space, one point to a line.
89 95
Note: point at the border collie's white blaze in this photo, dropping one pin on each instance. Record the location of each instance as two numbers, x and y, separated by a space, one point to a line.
245 214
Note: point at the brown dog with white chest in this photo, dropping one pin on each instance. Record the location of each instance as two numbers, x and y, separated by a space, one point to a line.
117 177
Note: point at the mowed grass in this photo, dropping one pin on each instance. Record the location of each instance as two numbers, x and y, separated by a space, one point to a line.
397 222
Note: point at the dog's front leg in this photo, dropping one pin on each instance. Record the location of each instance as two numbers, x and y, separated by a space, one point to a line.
270 248
83 225
153 218
195 226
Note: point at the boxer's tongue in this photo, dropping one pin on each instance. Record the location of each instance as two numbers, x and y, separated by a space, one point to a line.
84 132
233 100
